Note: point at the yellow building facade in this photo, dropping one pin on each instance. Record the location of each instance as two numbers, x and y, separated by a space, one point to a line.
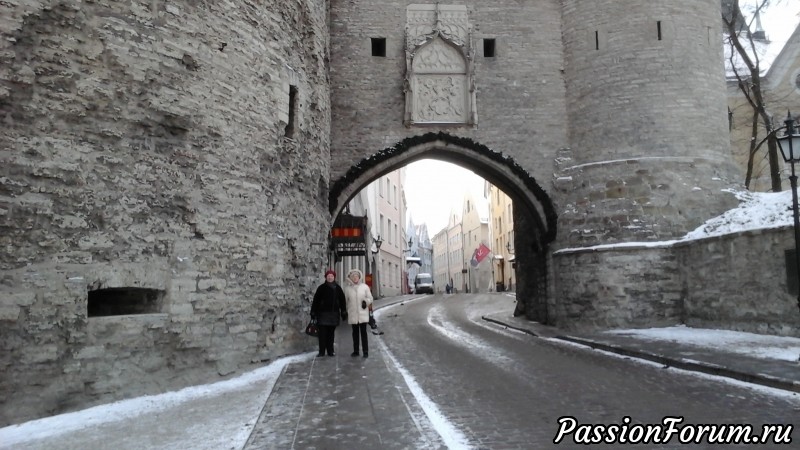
501 232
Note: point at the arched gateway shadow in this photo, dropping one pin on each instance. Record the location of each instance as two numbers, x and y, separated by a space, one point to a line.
534 214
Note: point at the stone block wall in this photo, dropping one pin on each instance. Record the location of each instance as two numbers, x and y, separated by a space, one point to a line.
735 281
637 199
738 282
520 91
650 153
178 149
618 287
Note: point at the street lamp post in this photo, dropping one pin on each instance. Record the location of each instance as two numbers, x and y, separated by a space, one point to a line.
510 268
464 277
790 148
407 273
378 243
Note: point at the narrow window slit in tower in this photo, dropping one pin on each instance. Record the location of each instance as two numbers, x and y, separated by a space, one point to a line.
658 26
289 131
597 40
378 47
488 48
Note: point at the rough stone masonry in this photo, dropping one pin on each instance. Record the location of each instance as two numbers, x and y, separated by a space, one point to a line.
168 159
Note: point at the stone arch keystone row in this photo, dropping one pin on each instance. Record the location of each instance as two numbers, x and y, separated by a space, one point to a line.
518 182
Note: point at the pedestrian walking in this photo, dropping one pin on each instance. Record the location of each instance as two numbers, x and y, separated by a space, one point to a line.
326 308
359 302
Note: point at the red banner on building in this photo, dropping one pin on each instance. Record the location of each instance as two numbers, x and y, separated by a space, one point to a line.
482 252
479 255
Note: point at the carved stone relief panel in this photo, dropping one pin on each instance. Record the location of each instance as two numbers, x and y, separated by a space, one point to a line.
451 21
438 83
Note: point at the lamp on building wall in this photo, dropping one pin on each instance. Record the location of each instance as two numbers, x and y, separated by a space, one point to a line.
378 243
790 148
508 247
410 243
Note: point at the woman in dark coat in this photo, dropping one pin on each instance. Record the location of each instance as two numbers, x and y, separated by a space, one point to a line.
327 307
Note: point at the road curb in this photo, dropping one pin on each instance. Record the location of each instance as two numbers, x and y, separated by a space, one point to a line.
691 365
524 330
667 361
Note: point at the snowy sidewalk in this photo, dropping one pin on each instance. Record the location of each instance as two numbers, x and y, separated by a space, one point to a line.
206 417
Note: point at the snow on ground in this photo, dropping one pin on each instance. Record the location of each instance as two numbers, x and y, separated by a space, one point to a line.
755 345
453 437
470 341
756 210
450 434
208 417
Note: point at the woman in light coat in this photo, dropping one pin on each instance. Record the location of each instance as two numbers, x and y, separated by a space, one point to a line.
359 302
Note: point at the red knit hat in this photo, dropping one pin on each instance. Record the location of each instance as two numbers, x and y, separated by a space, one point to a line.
331 272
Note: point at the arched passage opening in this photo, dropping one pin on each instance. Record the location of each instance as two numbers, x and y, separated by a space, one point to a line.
534 213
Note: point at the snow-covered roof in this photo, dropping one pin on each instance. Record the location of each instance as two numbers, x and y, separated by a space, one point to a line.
779 21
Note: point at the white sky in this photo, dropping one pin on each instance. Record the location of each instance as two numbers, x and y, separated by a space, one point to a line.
435 187
779 19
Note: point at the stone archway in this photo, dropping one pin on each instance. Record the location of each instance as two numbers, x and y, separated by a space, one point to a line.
534 219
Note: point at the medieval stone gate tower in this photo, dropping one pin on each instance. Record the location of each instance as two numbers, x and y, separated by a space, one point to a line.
169 169
615 109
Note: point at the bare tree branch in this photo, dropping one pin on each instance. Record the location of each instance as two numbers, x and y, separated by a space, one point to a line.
750 84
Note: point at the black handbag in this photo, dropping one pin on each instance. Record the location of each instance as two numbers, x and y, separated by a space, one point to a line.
311 328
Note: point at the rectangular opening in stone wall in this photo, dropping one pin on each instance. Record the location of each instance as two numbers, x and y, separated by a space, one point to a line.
658 29
488 48
378 47
289 131
124 301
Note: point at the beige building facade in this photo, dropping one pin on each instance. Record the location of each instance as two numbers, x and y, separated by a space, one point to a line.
441 268
502 238
475 229
391 214
448 256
